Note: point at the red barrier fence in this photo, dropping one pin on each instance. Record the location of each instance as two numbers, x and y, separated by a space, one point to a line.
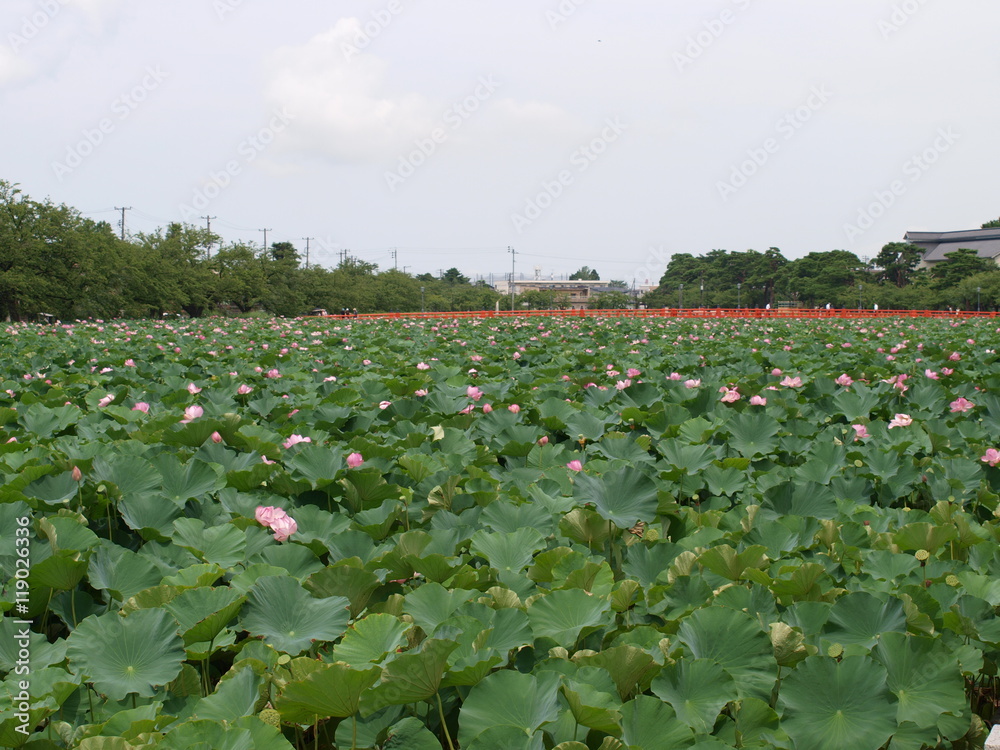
692 312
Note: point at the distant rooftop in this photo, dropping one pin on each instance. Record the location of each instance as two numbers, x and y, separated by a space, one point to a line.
986 243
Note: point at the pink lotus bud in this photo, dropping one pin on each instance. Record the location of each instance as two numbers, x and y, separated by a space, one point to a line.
76 474
355 460
215 437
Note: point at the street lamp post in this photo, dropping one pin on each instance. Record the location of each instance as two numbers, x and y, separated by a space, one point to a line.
701 302
739 304
421 299
681 298
978 306
859 296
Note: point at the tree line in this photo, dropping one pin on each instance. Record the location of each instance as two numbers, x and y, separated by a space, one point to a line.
57 262
892 280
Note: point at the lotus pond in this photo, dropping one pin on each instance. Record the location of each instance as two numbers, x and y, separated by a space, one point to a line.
572 533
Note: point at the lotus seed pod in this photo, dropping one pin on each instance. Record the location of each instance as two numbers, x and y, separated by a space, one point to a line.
922 555
835 651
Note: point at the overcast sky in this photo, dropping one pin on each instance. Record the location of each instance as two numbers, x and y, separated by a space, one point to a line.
581 132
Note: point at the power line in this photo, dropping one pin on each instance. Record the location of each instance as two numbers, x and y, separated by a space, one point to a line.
265 231
208 220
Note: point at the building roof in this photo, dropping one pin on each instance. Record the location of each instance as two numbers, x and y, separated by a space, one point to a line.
986 243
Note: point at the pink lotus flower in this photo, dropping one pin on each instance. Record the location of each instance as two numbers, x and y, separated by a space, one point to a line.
514 408
992 457
758 401
543 440
191 413
961 404
141 406
621 385
215 437
355 460
130 363
295 440
946 371
384 404
277 520
674 376
731 395
901 420
473 392
844 380
692 383
860 431
931 374
790 382
244 389
420 392
272 373
575 465
633 373
776 372
955 356
468 409
487 408
423 366
193 389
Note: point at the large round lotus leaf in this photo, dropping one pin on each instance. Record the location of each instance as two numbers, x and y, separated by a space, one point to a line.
123 655
651 724
522 702
830 705
279 609
623 497
330 690
737 642
698 690
564 614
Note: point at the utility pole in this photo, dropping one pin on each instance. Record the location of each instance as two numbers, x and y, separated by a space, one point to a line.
123 210
308 240
265 231
513 255
395 259
208 221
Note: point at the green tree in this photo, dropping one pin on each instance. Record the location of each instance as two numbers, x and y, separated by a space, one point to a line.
241 278
992 224
543 299
960 264
898 261
454 276
610 301
585 274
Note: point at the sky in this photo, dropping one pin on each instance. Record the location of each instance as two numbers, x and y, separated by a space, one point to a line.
425 134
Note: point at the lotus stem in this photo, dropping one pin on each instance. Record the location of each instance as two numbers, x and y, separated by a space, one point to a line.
444 724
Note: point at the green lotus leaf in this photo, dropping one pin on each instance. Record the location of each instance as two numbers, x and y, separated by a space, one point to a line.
370 639
926 680
282 612
127 655
203 612
224 545
652 725
624 496
697 689
566 614
830 706
331 690
861 618
519 702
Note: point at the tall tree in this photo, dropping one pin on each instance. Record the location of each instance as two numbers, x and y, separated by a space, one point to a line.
585 274
898 261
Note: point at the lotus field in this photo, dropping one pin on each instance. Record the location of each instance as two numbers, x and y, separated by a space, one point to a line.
490 534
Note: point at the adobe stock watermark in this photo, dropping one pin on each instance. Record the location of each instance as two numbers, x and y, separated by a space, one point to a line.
453 119
122 108
32 25
371 29
552 190
902 14
561 14
653 268
223 8
713 28
22 634
786 128
913 171
248 150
